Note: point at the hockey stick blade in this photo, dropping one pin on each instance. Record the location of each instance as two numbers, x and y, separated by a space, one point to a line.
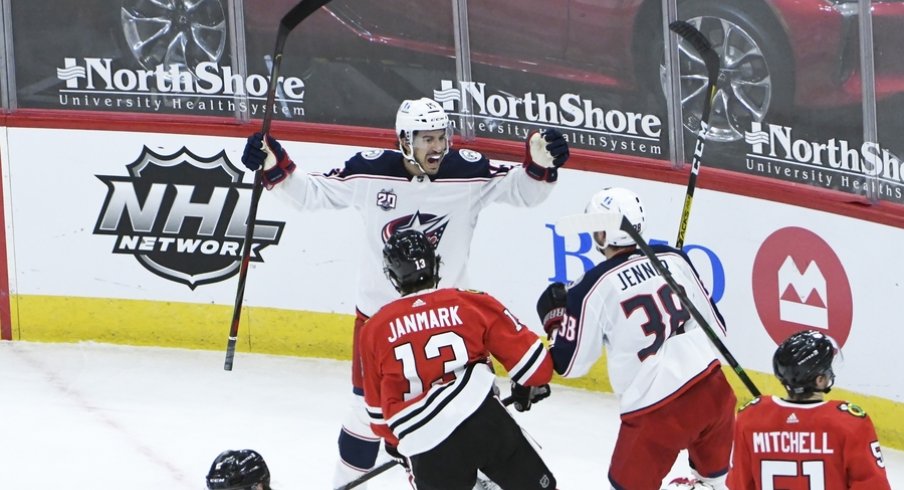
628 228
588 223
379 470
287 24
289 21
700 44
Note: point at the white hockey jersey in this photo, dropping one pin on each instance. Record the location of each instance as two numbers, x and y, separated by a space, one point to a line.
444 207
654 349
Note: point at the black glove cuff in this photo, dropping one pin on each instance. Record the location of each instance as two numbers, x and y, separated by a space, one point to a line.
541 173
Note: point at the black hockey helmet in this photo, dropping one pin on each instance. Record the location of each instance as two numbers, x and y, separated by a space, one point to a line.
410 261
803 357
238 470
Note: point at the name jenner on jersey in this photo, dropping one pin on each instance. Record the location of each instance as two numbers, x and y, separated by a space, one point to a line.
637 274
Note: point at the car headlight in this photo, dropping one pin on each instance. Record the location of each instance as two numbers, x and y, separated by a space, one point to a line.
847 8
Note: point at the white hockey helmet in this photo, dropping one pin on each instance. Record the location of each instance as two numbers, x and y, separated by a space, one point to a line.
420 115
624 202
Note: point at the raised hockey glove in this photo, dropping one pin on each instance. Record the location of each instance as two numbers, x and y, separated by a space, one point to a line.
551 306
525 396
546 151
394 453
272 157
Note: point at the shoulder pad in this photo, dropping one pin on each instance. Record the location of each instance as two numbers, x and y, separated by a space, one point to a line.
463 164
375 162
470 155
750 403
371 154
852 409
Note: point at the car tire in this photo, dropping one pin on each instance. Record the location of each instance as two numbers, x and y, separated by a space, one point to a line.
758 85
177 33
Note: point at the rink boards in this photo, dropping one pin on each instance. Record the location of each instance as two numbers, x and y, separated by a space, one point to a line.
98 249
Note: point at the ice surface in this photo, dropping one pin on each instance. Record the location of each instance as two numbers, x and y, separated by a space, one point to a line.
106 417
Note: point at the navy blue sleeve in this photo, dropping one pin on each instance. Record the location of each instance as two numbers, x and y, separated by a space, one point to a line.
563 350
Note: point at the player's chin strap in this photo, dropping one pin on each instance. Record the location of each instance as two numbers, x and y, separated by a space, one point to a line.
408 154
414 162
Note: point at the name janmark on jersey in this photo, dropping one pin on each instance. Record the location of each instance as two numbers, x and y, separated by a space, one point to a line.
415 322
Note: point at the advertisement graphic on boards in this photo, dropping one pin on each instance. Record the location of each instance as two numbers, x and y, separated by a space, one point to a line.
584 121
799 283
183 216
833 163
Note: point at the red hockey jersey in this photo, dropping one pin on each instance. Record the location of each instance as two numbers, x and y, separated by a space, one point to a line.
829 445
425 360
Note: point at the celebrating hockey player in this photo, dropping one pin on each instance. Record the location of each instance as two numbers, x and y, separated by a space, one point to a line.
666 373
244 469
426 185
803 441
428 384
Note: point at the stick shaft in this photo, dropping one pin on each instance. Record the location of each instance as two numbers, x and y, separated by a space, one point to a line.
299 12
711 60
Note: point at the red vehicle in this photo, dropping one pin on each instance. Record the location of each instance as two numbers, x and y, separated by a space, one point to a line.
780 55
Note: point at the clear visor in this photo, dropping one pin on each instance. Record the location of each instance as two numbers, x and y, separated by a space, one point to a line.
837 359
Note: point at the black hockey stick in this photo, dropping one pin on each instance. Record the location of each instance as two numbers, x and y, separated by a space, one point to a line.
711 60
686 302
378 470
289 21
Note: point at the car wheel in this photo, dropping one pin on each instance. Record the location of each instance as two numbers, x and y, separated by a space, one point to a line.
174 32
755 61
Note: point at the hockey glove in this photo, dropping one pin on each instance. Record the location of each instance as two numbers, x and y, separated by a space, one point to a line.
551 306
525 396
546 151
275 161
394 453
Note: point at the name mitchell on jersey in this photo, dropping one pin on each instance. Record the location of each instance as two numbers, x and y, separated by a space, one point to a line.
415 322
782 441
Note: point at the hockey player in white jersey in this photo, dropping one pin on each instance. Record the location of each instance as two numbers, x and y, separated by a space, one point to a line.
663 368
427 185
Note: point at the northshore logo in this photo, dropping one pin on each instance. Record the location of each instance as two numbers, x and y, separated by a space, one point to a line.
97 83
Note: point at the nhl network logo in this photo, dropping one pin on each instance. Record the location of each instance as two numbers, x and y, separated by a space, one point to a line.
183 216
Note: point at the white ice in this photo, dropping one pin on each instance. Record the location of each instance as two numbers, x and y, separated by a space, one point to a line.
105 417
